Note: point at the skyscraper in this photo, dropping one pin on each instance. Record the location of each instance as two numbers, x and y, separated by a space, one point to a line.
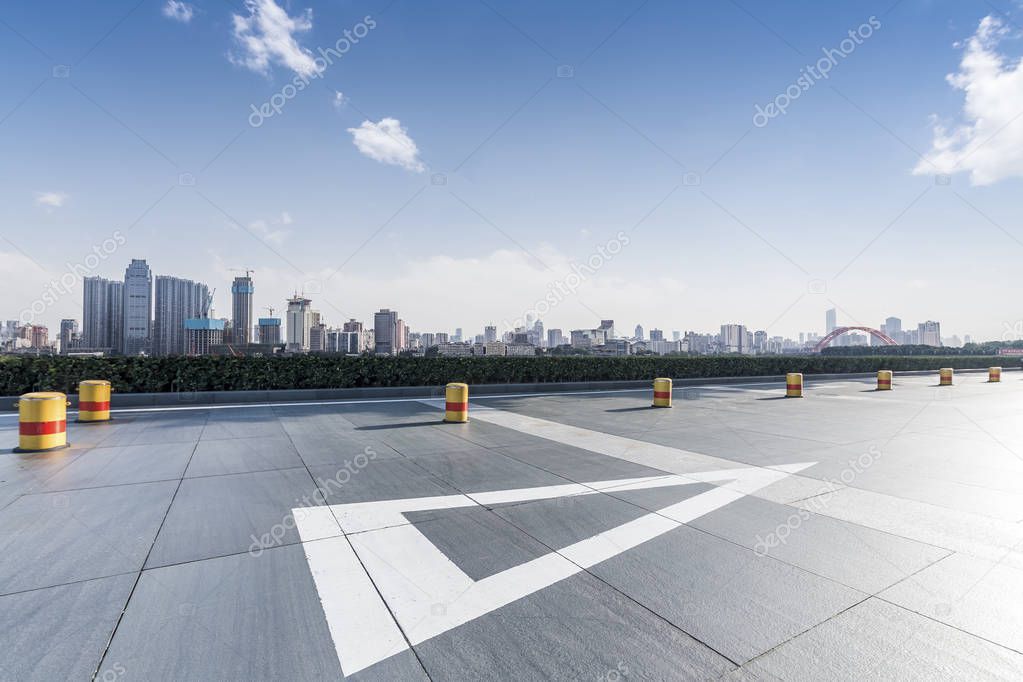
138 308
929 333
300 321
95 313
656 335
385 331
241 309
733 338
830 320
68 335
489 334
609 328
177 300
639 332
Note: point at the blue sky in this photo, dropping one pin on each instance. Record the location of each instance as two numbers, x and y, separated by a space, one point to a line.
478 150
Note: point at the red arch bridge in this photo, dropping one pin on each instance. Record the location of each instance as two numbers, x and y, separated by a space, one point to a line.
838 331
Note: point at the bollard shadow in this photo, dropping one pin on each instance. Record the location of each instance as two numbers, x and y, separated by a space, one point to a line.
387 427
775 397
632 409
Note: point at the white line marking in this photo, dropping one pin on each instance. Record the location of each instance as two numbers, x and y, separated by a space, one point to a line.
429 594
360 624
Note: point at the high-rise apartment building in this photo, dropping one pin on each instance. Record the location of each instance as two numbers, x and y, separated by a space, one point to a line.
352 325
300 321
639 332
733 339
555 338
177 300
241 309
400 336
609 328
830 320
138 308
489 334
102 319
657 335
929 333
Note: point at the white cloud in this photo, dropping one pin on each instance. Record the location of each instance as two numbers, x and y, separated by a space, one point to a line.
339 100
988 144
387 142
178 11
272 232
51 200
267 36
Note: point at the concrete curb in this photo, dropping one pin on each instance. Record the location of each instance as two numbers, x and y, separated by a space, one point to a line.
127 400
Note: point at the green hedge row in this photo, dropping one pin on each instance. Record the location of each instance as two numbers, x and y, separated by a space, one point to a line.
162 375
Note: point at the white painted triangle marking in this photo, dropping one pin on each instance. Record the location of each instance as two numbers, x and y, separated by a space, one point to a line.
427 594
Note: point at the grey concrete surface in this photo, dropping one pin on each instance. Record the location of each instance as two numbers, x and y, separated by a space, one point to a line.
552 537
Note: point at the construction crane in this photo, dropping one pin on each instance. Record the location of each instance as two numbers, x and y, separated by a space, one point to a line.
248 271
207 307
271 309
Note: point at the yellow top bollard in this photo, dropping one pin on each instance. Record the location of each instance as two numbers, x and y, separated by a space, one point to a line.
42 421
794 385
456 403
94 400
662 392
945 376
994 374
884 380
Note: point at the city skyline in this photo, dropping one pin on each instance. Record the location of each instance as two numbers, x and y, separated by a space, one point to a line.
577 166
168 315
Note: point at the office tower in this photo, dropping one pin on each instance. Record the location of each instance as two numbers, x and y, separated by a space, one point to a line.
115 316
137 308
656 335
676 335
537 338
241 308
68 335
929 333
385 331
609 328
300 321
458 335
554 338
352 325
489 334
442 337
427 339
830 320
177 300
639 332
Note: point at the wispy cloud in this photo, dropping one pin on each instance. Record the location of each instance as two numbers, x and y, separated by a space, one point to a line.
339 100
267 36
989 142
178 11
273 231
387 142
51 200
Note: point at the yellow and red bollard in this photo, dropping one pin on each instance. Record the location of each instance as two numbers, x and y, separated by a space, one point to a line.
794 385
945 376
884 380
42 422
662 392
94 400
994 374
456 403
